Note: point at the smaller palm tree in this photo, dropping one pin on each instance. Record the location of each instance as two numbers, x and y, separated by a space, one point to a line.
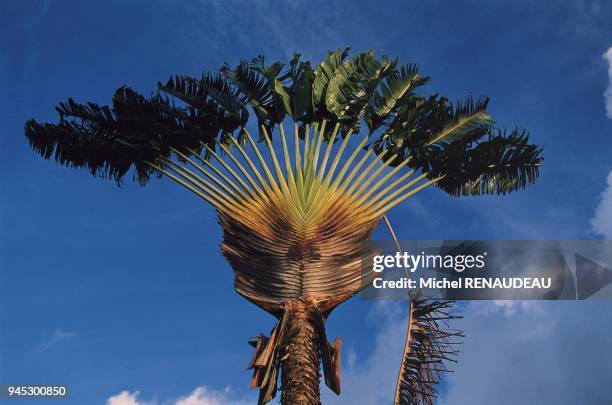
297 208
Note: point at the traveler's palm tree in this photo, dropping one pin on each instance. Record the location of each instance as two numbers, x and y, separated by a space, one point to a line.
297 205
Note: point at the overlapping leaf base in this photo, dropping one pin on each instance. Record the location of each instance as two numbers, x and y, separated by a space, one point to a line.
298 230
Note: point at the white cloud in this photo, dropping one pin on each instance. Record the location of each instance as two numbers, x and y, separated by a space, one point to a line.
601 223
125 398
204 396
608 93
199 396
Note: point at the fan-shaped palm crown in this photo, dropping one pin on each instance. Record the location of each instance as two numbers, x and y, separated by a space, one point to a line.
295 209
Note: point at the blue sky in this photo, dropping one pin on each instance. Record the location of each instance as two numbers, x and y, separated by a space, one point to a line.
112 290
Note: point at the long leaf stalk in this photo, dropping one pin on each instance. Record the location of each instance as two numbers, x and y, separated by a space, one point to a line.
308 185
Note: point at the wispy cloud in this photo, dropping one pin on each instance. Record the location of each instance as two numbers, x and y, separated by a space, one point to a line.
286 25
601 223
56 337
591 17
608 93
276 29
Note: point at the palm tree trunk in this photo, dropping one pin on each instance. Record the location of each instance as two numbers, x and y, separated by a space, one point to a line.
300 356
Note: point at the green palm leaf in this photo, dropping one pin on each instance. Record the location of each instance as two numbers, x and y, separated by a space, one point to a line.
468 117
395 87
324 73
501 164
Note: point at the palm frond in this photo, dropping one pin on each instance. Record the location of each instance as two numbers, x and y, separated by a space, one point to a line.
437 137
301 78
256 91
108 141
351 92
395 87
501 164
469 116
325 72
186 89
429 345
460 145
